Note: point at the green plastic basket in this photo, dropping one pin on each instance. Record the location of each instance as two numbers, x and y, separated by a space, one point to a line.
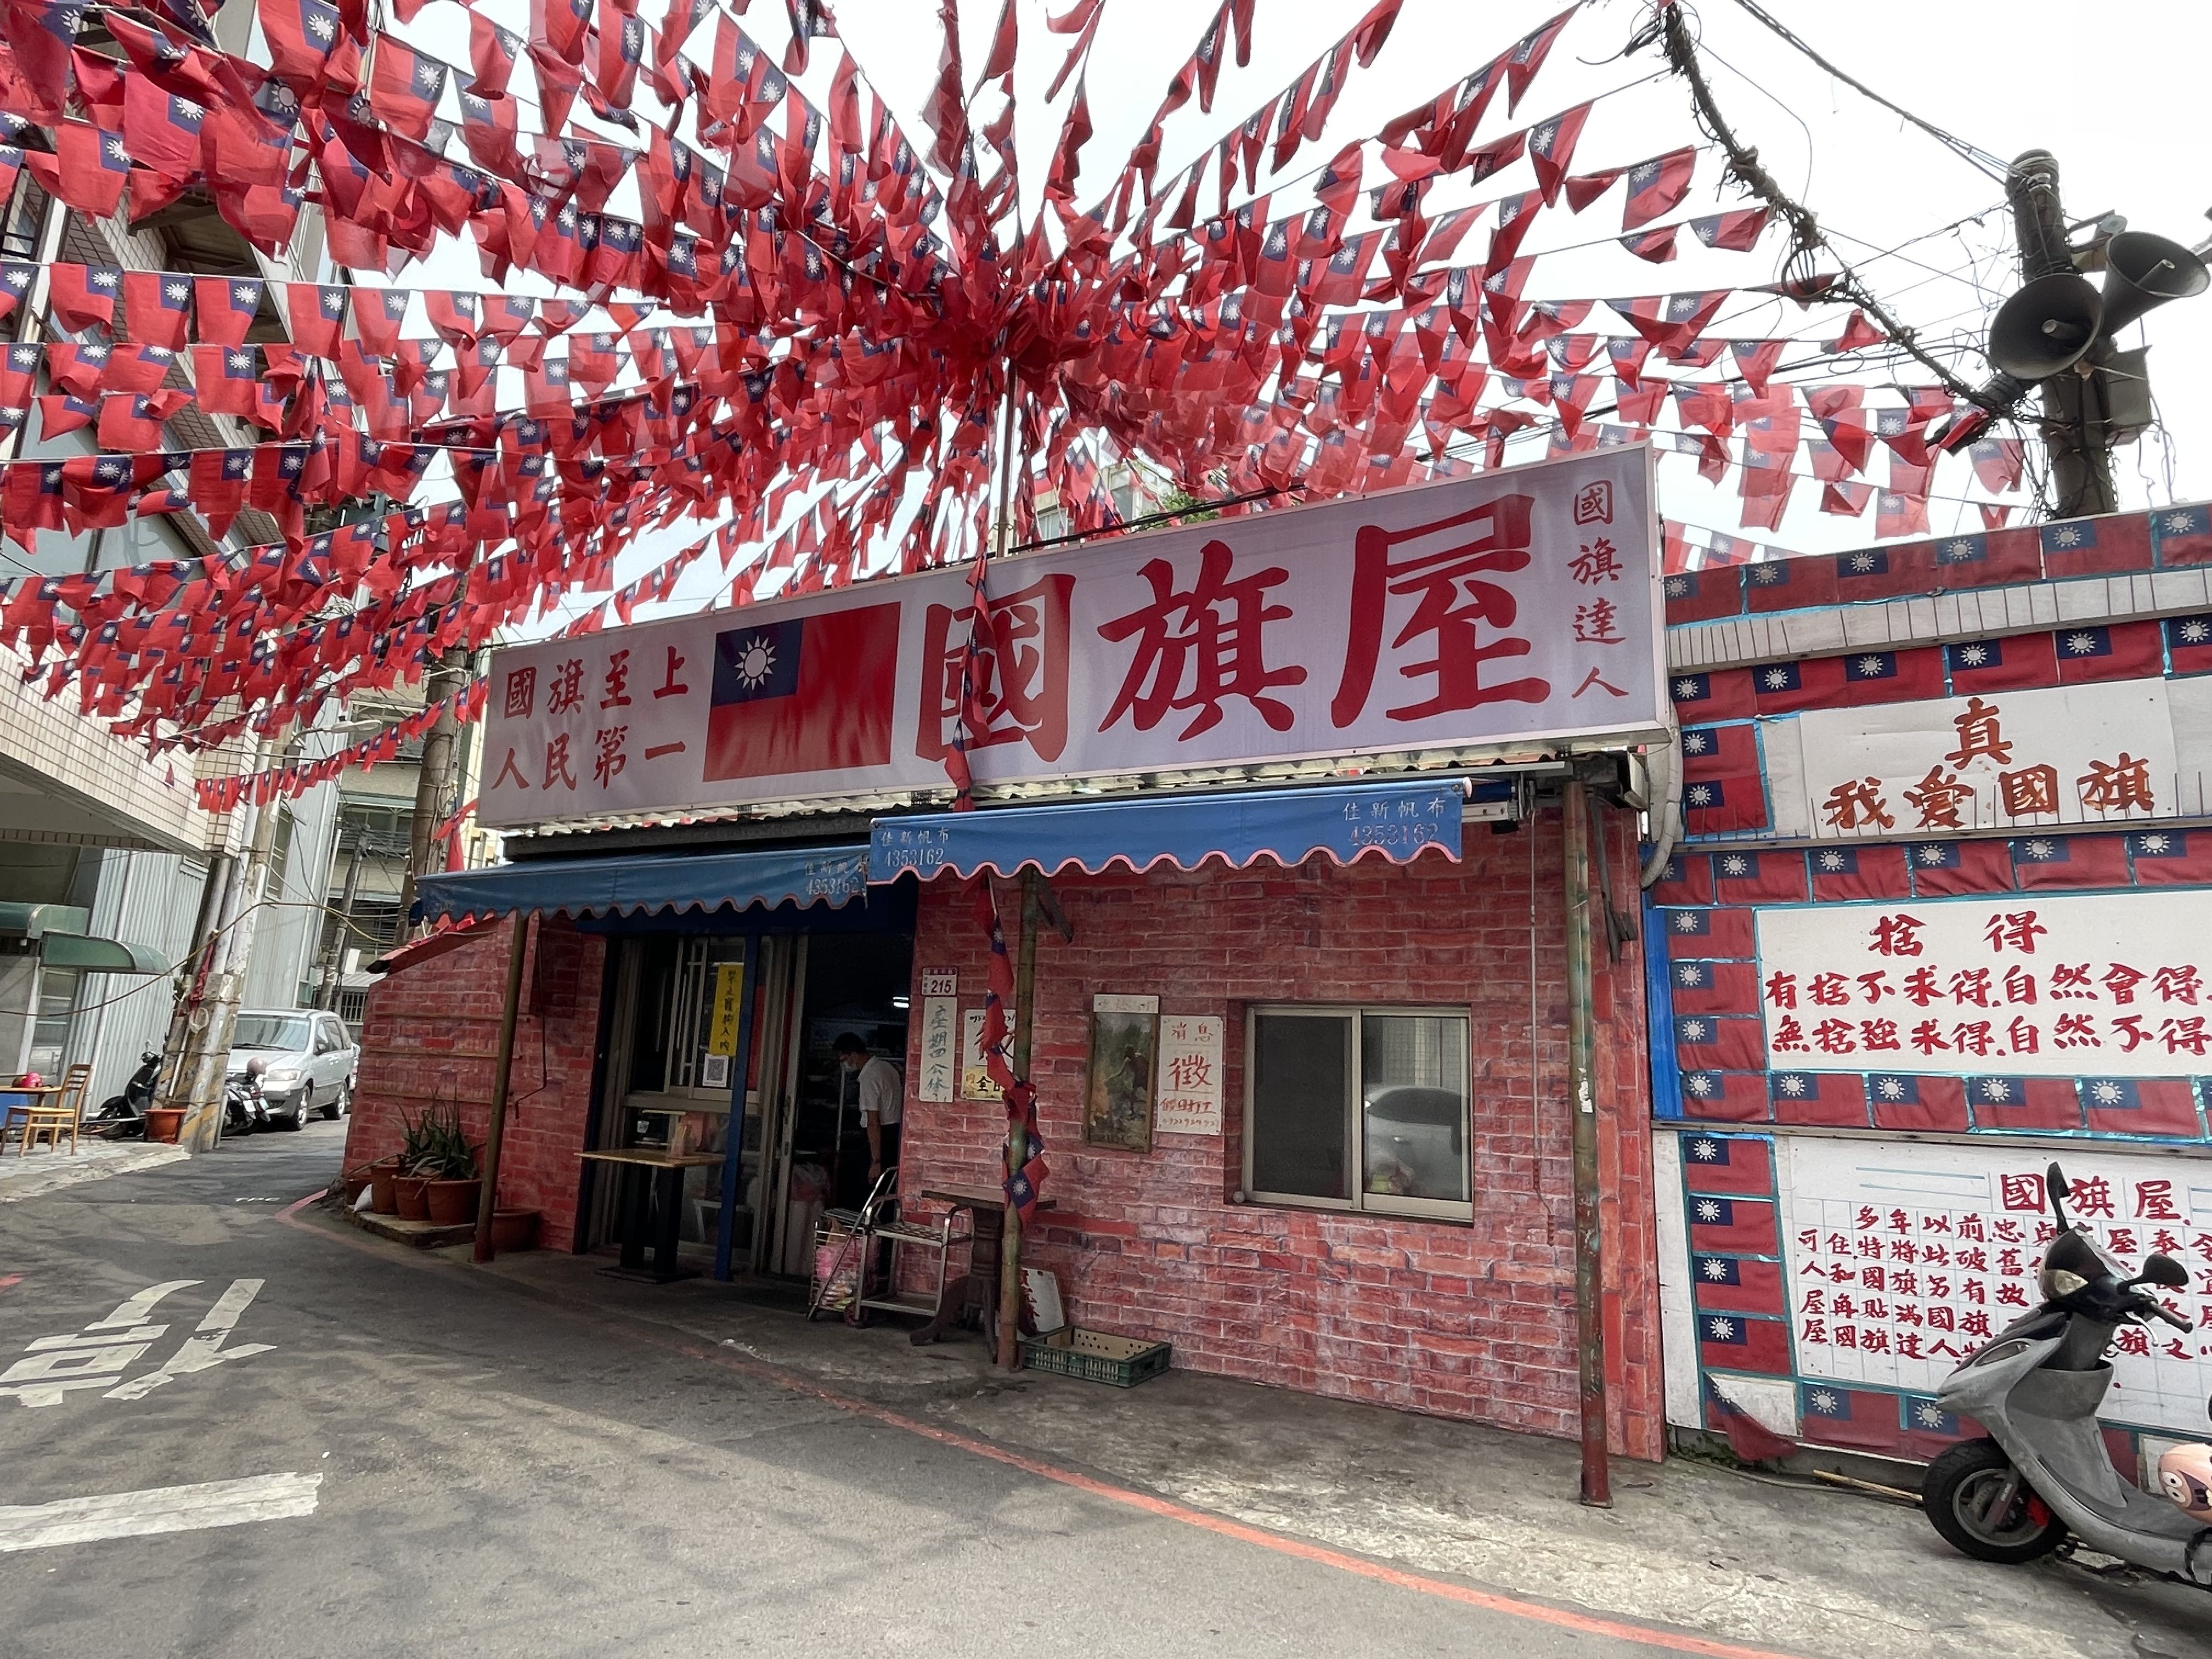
1120 1362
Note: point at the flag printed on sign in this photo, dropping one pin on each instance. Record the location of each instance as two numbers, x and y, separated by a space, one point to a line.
1734 1342
1728 1163
1732 1226
1835 1099
1734 1284
804 693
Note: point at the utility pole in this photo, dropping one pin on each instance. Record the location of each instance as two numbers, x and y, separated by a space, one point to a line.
211 1008
445 679
327 997
2076 434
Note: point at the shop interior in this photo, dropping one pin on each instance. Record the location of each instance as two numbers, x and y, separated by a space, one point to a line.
672 1040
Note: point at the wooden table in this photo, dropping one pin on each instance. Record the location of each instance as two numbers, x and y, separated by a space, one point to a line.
976 1296
10 1109
648 1173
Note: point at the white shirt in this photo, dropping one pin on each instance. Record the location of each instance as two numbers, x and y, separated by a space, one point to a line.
883 1091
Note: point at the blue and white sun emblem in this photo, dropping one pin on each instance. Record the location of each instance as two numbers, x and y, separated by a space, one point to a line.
756 662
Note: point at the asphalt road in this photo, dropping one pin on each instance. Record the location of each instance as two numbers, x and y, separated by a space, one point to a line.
446 1466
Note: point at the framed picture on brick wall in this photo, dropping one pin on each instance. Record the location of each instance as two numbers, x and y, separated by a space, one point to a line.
1117 1094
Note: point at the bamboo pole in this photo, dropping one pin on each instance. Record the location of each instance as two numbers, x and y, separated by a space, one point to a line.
502 1070
1589 1286
1010 1242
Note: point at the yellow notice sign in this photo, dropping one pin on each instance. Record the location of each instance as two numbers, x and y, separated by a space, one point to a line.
729 990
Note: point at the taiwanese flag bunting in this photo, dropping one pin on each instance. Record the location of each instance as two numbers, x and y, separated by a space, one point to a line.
1877 573
1986 559
1859 873
307 44
63 413
1657 187
404 86
315 314
1721 787
1735 233
157 308
14 282
492 53
1747 877
228 379
1734 1342
1522 62
1551 150
160 130
83 296
32 498
224 307
1830 1099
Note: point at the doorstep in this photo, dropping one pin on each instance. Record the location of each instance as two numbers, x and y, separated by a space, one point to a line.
1775 1566
421 1235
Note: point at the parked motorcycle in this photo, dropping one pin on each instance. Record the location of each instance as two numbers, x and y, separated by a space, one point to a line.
127 1111
2042 1472
243 1112
122 1117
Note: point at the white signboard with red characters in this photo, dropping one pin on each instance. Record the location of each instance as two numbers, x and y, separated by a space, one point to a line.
2066 754
1903 1259
2108 985
1517 608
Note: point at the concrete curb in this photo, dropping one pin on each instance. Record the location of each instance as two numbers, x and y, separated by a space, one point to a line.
77 1174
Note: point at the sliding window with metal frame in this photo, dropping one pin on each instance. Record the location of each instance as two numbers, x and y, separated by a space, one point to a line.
1357 1108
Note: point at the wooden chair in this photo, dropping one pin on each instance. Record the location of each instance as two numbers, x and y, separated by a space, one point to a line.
65 1110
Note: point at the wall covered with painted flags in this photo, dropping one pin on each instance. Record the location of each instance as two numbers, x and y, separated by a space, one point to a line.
1938 916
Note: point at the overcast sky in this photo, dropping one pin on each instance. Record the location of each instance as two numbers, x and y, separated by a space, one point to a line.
2113 101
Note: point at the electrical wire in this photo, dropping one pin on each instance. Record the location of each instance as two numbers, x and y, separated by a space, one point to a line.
1973 155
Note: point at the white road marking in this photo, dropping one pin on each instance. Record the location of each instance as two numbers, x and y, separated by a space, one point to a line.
205 1351
157 1510
134 1311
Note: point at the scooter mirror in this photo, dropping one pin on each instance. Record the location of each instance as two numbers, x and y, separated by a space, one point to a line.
2165 1271
2055 1182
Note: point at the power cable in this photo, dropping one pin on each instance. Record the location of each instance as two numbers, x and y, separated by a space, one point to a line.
1973 155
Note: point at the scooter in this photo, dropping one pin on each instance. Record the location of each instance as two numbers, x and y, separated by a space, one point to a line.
122 1117
244 1113
2036 1386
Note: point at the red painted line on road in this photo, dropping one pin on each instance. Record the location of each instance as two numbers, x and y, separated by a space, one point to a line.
1166 1509
10 1280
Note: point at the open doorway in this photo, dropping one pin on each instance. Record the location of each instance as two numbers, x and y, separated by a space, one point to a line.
804 1147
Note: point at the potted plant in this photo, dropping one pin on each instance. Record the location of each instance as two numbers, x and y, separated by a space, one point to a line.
409 1184
164 1123
450 1164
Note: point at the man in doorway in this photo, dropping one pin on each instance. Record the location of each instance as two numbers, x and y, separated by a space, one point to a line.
883 1092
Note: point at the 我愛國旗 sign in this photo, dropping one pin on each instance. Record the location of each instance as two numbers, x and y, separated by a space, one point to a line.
1515 608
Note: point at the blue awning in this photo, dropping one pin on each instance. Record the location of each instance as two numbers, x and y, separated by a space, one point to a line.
633 886
1394 820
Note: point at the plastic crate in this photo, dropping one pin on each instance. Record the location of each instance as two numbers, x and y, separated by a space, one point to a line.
1120 1362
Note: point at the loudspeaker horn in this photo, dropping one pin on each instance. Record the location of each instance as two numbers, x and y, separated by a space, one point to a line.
2143 271
2045 328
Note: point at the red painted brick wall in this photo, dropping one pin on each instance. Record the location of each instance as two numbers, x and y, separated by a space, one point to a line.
431 1034
1460 1321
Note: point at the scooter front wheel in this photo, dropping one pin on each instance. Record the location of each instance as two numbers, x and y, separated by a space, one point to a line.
1982 1505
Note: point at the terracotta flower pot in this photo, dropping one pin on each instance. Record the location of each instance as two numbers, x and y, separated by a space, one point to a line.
381 1198
410 1197
454 1202
164 1123
513 1229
